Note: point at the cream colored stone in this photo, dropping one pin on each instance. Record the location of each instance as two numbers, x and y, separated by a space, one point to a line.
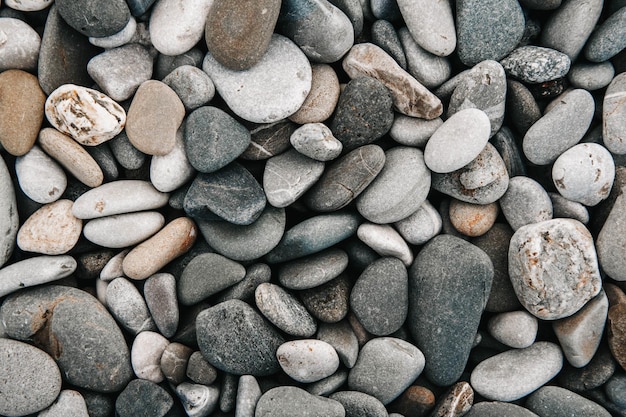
323 97
385 241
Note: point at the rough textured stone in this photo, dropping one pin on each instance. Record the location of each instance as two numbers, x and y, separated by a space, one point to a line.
91 18
142 398
535 64
281 401
456 402
173 362
610 238
607 40
328 302
560 402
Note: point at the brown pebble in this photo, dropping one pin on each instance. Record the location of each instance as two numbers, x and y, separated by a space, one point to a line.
174 362
322 99
415 401
457 401
616 323
472 219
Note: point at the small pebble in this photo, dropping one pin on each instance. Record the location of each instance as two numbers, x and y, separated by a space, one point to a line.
160 294
322 98
94 19
385 241
313 270
199 370
562 207
421 226
497 409
193 285
198 400
145 355
316 141
284 310
456 402
411 131
28 5
173 362
171 171
385 36
129 307
359 404
20 46
525 202
248 394
591 76
123 230
517 329
142 398
472 219
330 384
69 403
536 64
341 337
613 115
120 38
615 388
35 271
608 39
176 25
281 401
328 302
429 69
39 176
307 360
192 85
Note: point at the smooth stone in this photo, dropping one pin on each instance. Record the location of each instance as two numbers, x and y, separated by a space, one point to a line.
522 106
559 402
228 393
517 329
341 337
275 88
354 11
20 95
207 274
51 230
498 409
456 402
380 296
330 384
71 156
409 96
484 88
536 64
477 40
328 302
120 38
614 115
129 307
170 171
592 376
199 370
213 139
319 28
176 26
359 404
64 54
383 9
399 189
562 207
232 194
411 131
610 239
31 379
113 267
120 71
322 99
123 230
313 270
516 373
428 69
269 139
91 18
192 85
160 294
256 274
506 144
615 387
386 366
541 4
28 5
415 401
125 153
118 197
316 141
165 64
421 226
106 161
580 334
385 241
591 76
35 271
174 361
346 178
525 202
154 116
284 310
431 25
615 323
39 176
282 401
307 360
69 403
198 400
445 90
447 339
245 243
441 153
554 268
87 115
76 330
142 398
248 395
314 235
608 39
139 7
20 46
472 219
145 355
385 36
234 338
146 259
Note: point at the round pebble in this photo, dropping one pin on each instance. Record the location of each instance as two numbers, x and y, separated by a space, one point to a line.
525 202
20 46
422 225
123 230
517 329
192 85
472 219
128 306
307 360
145 355
429 69
560 402
316 141
281 401
170 171
591 76
385 241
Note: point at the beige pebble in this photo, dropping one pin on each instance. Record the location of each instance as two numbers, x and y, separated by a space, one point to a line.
385 241
472 219
71 156
322 99
150 256
88 116
21 111
154 116
51 230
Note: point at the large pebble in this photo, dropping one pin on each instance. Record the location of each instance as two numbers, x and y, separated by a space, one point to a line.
20 45
143 398
525 202
307 360
170 171
282 401
591 76
614 115
560 402
145 355
314 270
123 230
284 311
535 64
612 236
35 271
272 90
207 274
177 25
513 374
91 18
69 403
553 267
128 306
431 24
609 39
322 99
9 216
39 176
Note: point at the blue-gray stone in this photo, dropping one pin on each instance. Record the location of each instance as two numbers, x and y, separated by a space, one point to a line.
498 409
282 401
536 64
143 398
609 39
207 274
354 11
385 36
553 401
95 18
359 404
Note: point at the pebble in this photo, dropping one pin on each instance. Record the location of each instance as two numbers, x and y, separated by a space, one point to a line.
69 403
610 238
342 338
71 156
199 370
39 176
553 267
35 271
31 382
505 143
244 289
319 28
328 302
93 19
284 310
613 115
316 141
422 225
176 26
536 64
559 402
330 384
307 360
431 25
281 401
386 366
104 158
354 11
462 285
125 153
154 116
120 71
142 398
525 202
522 106
275 88
516 373
171 171
28 5
313 270
385 241
497 409
51 230
383 9
174 361
608 39
87 115
129 307
194 286
415 401
120 38
21 95
248 395
593 375
517 329
379 297
472 219
359 404
123 230
20 46
160 294
113 268
562 207
192 85
145 356
411 131
399 189
198 400
456 402
560 128
322 99
409 96
385 36
615 387
430 70
591 76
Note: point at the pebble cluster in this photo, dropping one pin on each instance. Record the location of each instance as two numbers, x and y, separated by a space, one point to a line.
338 208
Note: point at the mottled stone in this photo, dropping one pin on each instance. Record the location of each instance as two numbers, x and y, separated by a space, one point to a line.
28 5
284 311
472 219
328 302
69 403
199 370
91 18
591 376
535 64
173 362
171 171
431 24
244 289
282 401
610 239
456 402
608 39
322 98
120 38
248 394
142 398
160 294
316 141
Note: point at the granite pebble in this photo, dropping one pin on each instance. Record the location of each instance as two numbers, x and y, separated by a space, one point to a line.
536 64
608 39
560 402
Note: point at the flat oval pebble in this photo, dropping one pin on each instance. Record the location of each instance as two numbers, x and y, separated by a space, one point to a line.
39 176
385 241
411 131
192 85
443 150
313 270
32 380
177 25
281 401
207 274
145 355
160 294
20 46
516 373
35 271
272 90
316 141
170 171
536 64
123 230
87 115
608 39
128 307
553 267
94 19
431 25
560 402
525 202
307 360
522 106
359 404
420 226
284 310
591 76
517 329
322 99
233 337
614 115
430 70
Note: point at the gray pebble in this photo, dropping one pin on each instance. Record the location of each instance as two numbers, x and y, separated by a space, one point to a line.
198 400
385 241
142 398
611 238
269 139
39 176
354 11
551 401
615 389
608 39
591 76
421 226
95 19
316 141
498 409
160 294
165 64
328 302
429 69
307 360
128 306
244 289
385 9
313 270
411 131
20 45
171 171
69 403
120 38
535 64
228 392
123 230
248 394
145 355
282 401
562 207
193 285
174 361
431 25
199 370
517 329
384 35
9 218
284 310
193 86
340 336
35 271
104 158
330 384
359 404
614 115
525 202
125 153
507 146
522 106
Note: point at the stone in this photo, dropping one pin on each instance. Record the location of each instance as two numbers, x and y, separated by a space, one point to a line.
522 106
517 329
244 290
170 171
446 339
35 271
525 202
106 161
31 382
160 294
142 398
51 230
385 36
269 139
174 361
608 39
205 275
316 141
28 5
322 98
154 116
562 207
496 409
281 401
346 178
319 28
506 145
422 225
120 38
614 115
536 64
248 394
20 95
431 25
176 26
354 11
313 270
591 76
385 241
385 368
39 176
307 360
113 267
199 370
610 239
456 402
591 376
429 69
284 310
409 96
123 230
411 131
560 402
145 355
328 385
328 302
341 337
472 219
128 307
93 19
614 389
415 401
359 404
275 88
197 400
192 85
69 403
20 47
234 338
288 176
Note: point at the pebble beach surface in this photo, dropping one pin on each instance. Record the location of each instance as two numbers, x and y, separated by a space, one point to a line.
337 208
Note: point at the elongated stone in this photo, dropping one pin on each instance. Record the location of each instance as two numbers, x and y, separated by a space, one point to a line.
160 294
314 270
123 230
284 311
35 271
282 401
431 24
614 115
9 217
307 360
40 177
128 307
